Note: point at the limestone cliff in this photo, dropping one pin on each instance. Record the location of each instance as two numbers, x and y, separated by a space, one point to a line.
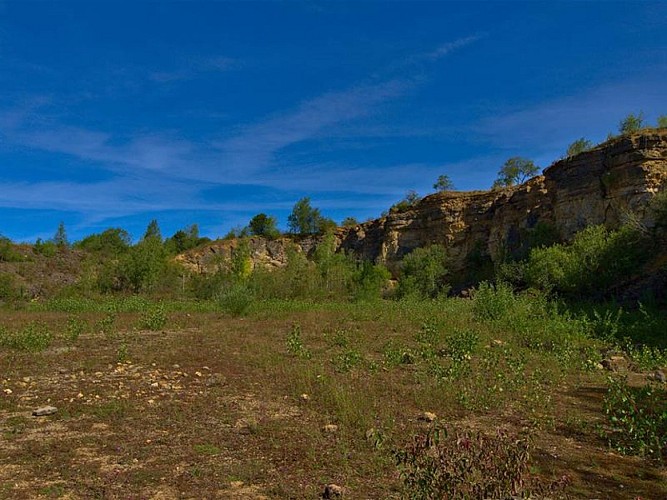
602 186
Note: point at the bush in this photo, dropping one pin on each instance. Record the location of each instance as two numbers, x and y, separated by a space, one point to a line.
493 302
579 146
595 261
236 300
34 337
631 123
423 273
443 465
154 319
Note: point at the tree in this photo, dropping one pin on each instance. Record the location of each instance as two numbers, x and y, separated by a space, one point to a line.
631 123
305 219
350 222
444 183
60 238
264 225
579 146
112 242
153 231
516 170
662 121
410 200
184 239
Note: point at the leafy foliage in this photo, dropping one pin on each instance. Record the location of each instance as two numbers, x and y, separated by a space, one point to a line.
638 416
594 261
631 123
662 121
112 242
423 273
305 219
264 225
579 146
184 239
443 183
516 170
409 201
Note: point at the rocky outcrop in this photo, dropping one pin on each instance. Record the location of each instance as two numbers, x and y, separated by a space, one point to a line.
605 185
263 252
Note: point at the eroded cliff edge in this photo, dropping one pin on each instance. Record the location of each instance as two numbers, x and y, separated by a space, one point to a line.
605 185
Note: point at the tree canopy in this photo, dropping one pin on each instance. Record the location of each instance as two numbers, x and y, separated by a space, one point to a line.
516 170
443 183
305 219
264 225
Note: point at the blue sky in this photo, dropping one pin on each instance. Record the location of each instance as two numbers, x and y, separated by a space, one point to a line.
116 113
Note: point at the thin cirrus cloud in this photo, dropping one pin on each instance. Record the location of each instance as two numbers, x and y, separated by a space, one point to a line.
553 124
158 171
254 147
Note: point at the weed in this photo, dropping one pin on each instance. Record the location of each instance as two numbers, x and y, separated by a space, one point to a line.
493 302
638 416
122 354
394 355
459 464
75 327
154 319
107 324
295 343
34 337
347 360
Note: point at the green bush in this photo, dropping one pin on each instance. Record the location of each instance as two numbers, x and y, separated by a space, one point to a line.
423 273
493 302
236 300
595 261
34 337
154 318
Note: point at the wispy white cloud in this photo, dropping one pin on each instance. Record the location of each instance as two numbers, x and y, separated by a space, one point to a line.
254 147
158 171
551 125
450 47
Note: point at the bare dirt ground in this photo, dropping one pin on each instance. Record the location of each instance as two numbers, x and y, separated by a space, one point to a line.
215 407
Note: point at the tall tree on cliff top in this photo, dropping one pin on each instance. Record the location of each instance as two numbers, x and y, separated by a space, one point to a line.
516 170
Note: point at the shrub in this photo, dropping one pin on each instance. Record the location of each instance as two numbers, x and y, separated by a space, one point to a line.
409 201
154 318
579 146
236 300
590 265
295 344
423 273
34 337
631 123
8 252
446 465
493 302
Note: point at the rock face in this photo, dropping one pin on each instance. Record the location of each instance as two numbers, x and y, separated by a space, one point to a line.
263 252
602 186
